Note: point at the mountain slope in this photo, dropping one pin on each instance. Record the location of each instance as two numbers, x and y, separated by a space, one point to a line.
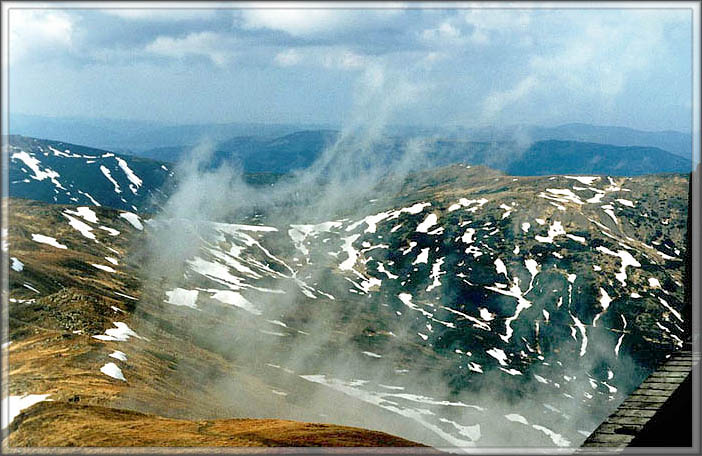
61 173
58 172
468 308
568 157
675 142
59 424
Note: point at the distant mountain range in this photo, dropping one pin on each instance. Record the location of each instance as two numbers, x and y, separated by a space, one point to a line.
134 136
58 172
675 142
298 150
63 173
139 136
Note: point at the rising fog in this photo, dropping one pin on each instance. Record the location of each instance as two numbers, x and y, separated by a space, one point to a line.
350 172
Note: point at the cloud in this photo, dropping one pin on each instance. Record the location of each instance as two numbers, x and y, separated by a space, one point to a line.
329 57
161 14
296 22
449 34
591 63
308 22
495 102
38 32
480 26
498 20
214 46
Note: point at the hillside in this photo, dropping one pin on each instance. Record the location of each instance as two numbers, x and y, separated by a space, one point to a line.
563 157
58 172
62 173
468 308
298 150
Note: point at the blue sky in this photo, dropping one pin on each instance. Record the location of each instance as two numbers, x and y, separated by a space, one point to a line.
467 66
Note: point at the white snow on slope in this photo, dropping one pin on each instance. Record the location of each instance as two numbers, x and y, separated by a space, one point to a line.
118 355
182 297
463 202
498 354
605 300
84 212
428 222
235 299
82 227
48 240
423 257
110 231
381 399
17 265
626 258
39 174
352 253
299 233
121 333
103 267
133 219
109 177
587 180
436 273
468 236
13 406
113 371
555 229
583 333
133 178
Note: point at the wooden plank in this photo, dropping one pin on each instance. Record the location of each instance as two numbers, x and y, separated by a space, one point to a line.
652 392
683 364
669 386
619 428
637 405
673 368
645 398
629 420
669 374
636 413
609 447
621 439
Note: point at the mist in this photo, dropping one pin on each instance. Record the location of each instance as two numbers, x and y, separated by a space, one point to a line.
317 370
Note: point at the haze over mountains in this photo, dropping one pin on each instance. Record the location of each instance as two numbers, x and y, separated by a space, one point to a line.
59 172
140 136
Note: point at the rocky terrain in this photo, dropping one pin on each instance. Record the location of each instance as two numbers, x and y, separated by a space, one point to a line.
468 308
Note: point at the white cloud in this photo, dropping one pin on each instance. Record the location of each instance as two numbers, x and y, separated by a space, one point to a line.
306 22
296 22
498 20
497 101
448 33
160 14
329 57
33 31
214 46
479 26
289 57
592 63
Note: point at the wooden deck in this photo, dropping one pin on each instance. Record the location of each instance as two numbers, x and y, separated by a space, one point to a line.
637 410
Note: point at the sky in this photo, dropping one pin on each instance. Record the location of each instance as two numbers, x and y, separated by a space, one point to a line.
464 66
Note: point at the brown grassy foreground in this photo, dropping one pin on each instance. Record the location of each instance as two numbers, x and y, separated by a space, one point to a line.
54 424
